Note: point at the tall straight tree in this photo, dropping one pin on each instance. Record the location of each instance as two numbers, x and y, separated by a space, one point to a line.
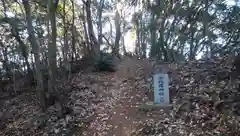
52 54
95 46
52 48
118 33
36 52
99 25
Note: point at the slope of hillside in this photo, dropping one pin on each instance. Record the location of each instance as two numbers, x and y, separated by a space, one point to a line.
205 102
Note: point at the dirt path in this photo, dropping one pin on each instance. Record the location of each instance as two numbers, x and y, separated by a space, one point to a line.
117 114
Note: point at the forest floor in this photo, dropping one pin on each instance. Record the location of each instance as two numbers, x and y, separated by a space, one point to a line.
118 114
205 103
197 107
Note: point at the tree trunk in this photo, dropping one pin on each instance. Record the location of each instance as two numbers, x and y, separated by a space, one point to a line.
73 55
143 40
118 34
52 49
191 53
138 43
123 40
66 64
153 50
95 46
36 53
205 29
99 12
86 43
162 42
52 54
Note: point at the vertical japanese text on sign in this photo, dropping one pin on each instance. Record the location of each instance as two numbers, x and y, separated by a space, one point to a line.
161 91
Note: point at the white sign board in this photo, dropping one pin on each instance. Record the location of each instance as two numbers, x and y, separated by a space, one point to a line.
161 89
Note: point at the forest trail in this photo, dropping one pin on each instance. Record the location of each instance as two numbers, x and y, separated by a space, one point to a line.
117 114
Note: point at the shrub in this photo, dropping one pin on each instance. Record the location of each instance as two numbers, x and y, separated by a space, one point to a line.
105 62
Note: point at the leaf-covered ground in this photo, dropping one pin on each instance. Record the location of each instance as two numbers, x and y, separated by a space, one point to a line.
206 102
